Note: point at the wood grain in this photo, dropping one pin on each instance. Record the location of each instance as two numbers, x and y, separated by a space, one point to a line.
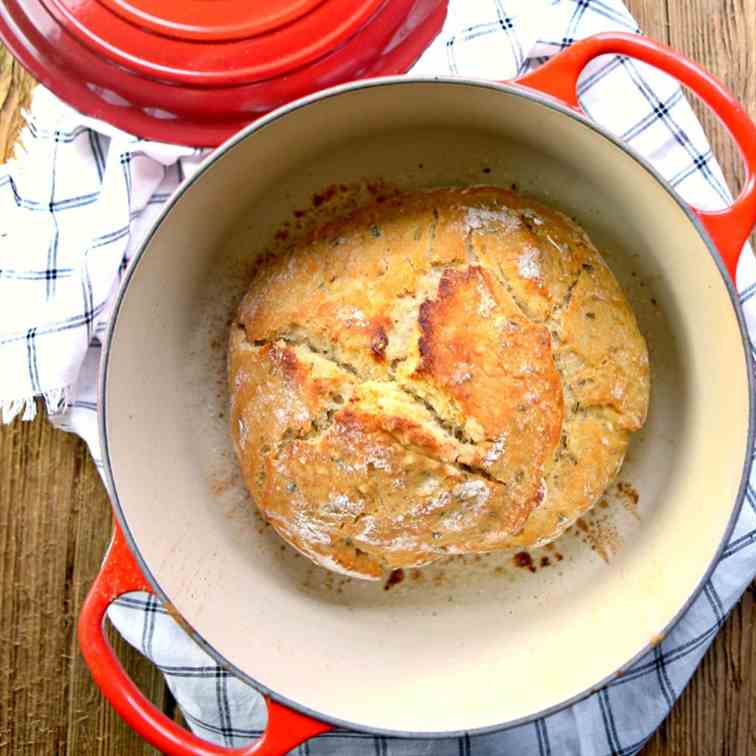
54 525
15 90
55 517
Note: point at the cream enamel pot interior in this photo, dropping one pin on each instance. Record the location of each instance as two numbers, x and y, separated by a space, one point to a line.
474 645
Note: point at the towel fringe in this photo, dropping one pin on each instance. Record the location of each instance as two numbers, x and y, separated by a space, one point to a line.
56 401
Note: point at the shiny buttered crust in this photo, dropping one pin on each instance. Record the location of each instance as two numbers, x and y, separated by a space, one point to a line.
441 373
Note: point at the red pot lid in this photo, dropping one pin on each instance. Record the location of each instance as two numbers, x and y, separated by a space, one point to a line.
195 71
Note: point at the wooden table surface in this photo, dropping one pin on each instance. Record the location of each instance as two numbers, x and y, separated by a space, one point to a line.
55 517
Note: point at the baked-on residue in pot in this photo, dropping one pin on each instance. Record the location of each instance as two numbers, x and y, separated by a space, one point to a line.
444 372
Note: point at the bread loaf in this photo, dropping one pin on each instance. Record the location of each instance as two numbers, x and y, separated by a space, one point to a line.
445 372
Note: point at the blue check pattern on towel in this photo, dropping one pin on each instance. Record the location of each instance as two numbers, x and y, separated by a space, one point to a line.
72 213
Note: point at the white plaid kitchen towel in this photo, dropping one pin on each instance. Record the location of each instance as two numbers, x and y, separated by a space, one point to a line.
72 212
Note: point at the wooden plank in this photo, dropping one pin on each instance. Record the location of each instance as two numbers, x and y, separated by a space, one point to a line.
722 42
34 622
54 525
15 89
652 18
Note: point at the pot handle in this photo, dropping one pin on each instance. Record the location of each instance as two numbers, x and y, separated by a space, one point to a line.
119 574
728 229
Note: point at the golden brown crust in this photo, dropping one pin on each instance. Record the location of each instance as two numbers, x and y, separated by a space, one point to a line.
608 362
445 372
478 351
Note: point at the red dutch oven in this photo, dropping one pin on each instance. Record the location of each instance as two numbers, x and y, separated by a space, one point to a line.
506 645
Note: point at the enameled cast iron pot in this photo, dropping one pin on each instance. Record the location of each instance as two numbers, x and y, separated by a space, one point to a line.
466 649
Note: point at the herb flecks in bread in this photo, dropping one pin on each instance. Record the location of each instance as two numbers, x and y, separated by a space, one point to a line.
446 372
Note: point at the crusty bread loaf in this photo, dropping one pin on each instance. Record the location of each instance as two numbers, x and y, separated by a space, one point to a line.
445 372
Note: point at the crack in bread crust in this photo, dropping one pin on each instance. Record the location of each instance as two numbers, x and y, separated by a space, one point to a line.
325 420
443 342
